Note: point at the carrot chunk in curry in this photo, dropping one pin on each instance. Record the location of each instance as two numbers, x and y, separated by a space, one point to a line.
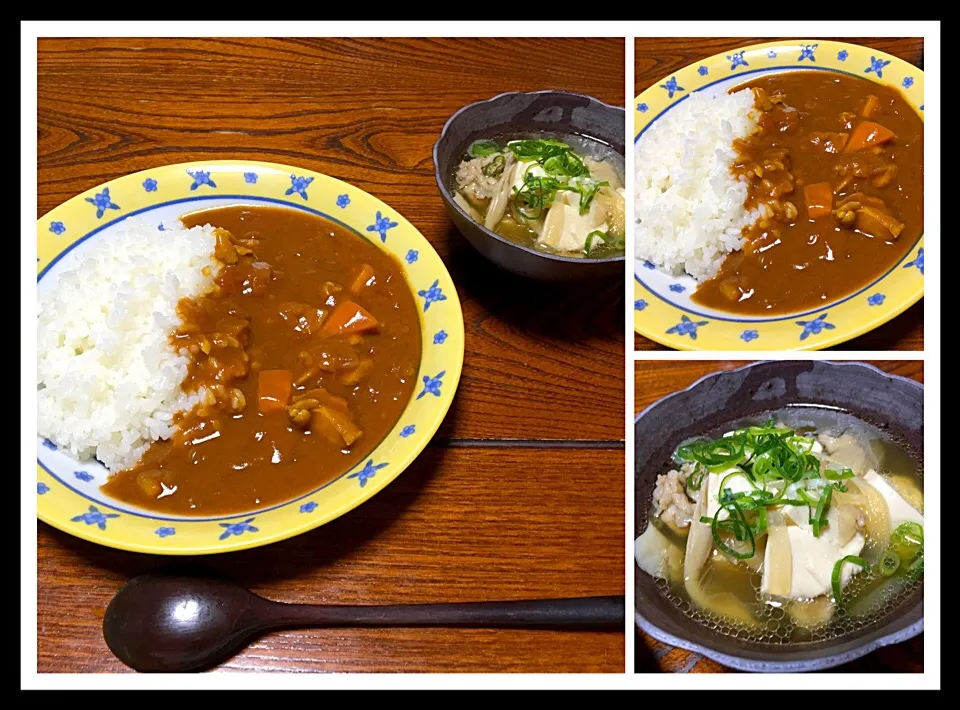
349 317
819 199
273 390
304 355
866 135
849 152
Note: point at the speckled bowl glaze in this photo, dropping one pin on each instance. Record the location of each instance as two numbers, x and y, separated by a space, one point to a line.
894 404
515 112
68 492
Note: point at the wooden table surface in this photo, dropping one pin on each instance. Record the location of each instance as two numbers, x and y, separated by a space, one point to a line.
655 58
520 494
653 381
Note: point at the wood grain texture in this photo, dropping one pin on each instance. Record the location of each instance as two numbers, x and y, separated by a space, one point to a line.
460 524
655 58
474 517
653 381
367 111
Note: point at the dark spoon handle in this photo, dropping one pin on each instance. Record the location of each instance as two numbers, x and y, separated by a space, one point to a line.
584 611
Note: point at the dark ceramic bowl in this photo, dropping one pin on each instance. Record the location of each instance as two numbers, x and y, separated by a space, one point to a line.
547 111
894 404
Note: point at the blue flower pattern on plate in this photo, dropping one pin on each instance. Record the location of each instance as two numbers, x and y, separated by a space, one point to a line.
649 265
298 185
165 532
876 299
806 52
150 185
102 202
431 385
907 82
921 107
702 70
94 517
842 55
160 227
677 288
671 87
57 228
918 262
748 335
412 256
49 445
687 327
200 177
876 66
83 476
381 225
238 528
368 471
250 178
408 431
771 54
440 337
308 507
639 304
42 488
343 201
642 108
737 60
432 295
815 326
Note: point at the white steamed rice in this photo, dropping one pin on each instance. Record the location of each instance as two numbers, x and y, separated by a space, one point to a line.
108 380
689 207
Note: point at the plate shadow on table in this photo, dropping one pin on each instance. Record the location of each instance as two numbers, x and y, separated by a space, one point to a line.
288 559
571 311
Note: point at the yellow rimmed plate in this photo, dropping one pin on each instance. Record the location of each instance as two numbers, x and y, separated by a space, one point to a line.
68 493
663 310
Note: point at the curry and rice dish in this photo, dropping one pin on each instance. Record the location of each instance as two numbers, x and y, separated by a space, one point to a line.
801 527
815 190
292 354
546 194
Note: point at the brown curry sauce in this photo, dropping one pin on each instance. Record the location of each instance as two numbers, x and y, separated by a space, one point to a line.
286 273
791 262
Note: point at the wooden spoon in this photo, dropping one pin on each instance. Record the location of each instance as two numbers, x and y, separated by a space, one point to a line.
175 623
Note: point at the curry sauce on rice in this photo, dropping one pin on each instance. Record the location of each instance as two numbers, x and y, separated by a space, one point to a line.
784 194
241 359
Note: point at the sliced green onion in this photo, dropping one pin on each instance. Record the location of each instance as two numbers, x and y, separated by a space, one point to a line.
832 475
820 520
907 541
889 563
727 450
910 531
695 479
595 234
737 525
915 570
761 525
481 149
835 577
495 167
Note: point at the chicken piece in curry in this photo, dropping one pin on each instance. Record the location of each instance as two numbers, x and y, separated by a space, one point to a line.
305 354
836 168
